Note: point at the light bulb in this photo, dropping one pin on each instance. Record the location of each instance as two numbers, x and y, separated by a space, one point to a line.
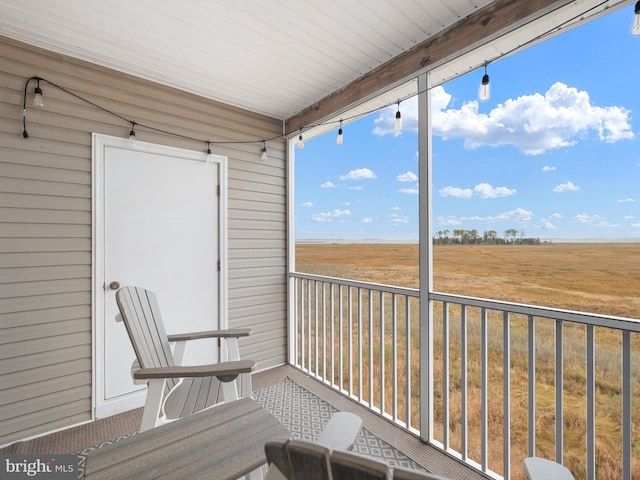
635 29
264 156
339 139
483 93
132 134
398 126
300 142
37 98
208 158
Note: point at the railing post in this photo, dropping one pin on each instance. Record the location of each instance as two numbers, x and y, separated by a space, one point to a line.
425 259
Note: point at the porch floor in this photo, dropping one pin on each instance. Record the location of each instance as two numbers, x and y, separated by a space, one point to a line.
78 438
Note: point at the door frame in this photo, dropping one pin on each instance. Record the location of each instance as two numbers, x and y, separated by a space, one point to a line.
100 142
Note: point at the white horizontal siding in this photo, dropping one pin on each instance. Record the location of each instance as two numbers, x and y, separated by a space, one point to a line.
45 226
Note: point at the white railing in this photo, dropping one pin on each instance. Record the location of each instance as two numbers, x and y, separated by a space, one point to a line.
563 379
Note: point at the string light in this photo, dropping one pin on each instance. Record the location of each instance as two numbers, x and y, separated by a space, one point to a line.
483 93
398 126
635 29
300 143
209 156
132 134
264 156
339 139
37 97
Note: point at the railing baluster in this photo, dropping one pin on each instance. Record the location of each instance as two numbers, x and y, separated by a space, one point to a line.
296 299
382 385
359 343
531 361
627 445
303 316
506 368
317 313
350 337
309 313
463 380
445 375
559 391
407 335
484 352
394 356
591 404
340 338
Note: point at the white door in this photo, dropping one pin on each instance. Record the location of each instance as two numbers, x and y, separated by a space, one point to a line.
160 219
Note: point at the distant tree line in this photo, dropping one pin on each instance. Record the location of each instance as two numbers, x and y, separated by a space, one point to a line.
461 236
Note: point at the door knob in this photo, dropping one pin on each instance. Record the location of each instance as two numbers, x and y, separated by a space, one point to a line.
114 285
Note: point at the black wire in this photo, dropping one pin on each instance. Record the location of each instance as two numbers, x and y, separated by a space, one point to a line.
284 135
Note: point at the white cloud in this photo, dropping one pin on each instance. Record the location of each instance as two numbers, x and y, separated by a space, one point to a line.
626 200
628 217
407 177
327 184
395 218
532 123
556 216
566 187
547 168
397 209
307 204
548 226
448 221
328 216
456 192
482 190
356 187
590 219
367 220
359 174
411 191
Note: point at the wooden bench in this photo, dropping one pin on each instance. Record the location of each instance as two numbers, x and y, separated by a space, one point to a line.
223 442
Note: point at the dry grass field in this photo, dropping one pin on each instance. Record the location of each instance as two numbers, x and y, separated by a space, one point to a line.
598 278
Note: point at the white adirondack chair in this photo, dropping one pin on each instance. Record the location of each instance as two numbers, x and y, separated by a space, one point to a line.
175 391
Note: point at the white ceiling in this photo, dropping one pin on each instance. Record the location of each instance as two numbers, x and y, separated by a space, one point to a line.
274 57
242 52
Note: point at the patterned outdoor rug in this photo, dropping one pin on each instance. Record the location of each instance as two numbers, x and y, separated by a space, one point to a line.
305 416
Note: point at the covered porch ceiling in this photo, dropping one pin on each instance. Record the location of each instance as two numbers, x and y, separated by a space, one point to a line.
298 61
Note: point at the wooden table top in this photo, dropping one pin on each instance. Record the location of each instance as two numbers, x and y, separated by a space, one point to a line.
222 443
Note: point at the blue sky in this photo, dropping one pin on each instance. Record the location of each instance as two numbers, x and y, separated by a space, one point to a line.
554 153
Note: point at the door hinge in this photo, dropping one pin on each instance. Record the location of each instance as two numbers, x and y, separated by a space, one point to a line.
219 267
218 190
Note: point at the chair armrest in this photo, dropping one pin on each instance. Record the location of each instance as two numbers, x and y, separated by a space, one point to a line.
191 371
229 333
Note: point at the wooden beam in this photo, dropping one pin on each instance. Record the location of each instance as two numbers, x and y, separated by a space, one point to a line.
499 17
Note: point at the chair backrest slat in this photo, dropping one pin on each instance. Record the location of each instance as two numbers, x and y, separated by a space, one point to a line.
141 315
308 461
357 467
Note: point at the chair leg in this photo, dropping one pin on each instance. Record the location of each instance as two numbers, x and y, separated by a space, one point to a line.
153 404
